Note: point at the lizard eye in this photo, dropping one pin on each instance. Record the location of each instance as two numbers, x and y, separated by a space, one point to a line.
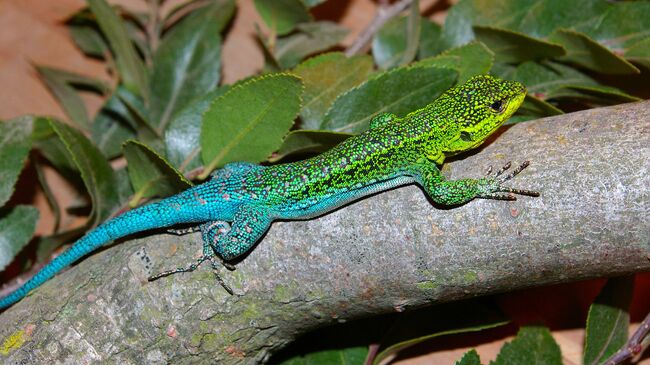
464 136
498 106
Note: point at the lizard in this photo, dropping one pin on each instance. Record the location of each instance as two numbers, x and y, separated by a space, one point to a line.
237 205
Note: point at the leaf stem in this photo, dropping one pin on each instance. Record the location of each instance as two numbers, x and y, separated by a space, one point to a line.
384 14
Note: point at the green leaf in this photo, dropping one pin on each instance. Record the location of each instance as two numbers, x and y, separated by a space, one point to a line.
309 39
150 175
608 320
16 229
248 122
397 41
182 142
415 328
536 108
312 3
187 62
325 77
510 46
112 127
66 95
308 142
88 39
640 53
470 358
15 143
282 15
532 346
623 26
48 143
469 60
429 39
586 52
399 91
550 80
130 66
96 173
348 356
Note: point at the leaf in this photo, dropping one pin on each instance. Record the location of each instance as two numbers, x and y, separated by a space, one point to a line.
16 229
510 46
586 52
469 60
308 141
66 95
608 320
312 3
640 53
248 122
310 38
325 77
396 42
187 62
130 66
399 91
348 356
532 346
550 80
470 358
96 173
88 39
414 328
623 26
15 143
282 15
429 39
48 143
182 142
111 127
150 175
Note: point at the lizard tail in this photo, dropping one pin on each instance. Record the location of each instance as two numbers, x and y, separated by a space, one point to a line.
81 248
181 208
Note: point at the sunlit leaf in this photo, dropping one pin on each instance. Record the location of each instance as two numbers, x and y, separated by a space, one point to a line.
399 91
469 60
249 121
325 77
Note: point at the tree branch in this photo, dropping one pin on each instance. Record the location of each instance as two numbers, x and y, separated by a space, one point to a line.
392 251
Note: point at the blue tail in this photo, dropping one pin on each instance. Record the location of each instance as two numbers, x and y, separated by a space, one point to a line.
182 208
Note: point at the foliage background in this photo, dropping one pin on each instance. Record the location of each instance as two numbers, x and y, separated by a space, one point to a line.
31 32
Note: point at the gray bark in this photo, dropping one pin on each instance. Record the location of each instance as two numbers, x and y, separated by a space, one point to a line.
389 252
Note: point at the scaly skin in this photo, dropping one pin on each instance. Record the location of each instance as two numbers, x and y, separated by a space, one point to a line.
393 152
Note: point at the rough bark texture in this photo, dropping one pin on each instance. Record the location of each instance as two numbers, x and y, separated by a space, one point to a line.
390 252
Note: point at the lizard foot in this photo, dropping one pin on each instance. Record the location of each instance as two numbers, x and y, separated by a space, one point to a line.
195 265
494 183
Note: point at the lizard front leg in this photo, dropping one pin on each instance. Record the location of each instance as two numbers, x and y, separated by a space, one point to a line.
456 192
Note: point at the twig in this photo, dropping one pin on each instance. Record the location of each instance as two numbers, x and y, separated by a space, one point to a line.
384 14
634 345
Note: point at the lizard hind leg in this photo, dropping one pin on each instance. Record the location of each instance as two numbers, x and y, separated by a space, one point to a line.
210 233
249 224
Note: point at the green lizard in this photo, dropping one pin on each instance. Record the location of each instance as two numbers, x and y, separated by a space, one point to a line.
393 152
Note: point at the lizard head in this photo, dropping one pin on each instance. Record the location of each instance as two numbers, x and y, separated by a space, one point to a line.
479 107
